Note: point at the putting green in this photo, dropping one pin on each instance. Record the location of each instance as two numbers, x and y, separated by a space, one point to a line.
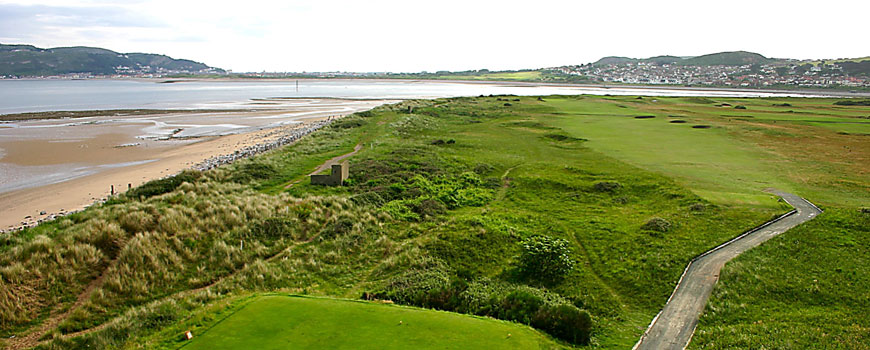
294 322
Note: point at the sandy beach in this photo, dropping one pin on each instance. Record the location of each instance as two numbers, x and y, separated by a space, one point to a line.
52 167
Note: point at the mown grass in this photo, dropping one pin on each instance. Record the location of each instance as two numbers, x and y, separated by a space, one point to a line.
282 321
435 224
810 147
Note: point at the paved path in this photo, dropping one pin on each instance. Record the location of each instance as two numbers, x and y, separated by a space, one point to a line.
675 324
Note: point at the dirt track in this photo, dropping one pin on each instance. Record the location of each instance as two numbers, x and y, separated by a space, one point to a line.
675 324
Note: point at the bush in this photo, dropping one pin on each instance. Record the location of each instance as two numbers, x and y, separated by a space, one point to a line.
545 259
657 224
250 171
852 103
739 107
348 123
606 186
519 306
165 185
565 322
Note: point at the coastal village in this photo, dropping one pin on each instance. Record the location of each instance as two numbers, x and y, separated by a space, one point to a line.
791 74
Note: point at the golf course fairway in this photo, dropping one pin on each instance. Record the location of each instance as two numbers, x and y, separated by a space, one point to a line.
294 322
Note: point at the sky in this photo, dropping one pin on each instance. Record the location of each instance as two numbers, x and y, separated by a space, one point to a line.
413 36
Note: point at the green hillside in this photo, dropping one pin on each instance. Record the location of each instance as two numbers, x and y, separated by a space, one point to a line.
27 60
735 58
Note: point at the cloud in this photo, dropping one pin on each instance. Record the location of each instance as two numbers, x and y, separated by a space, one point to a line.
29 22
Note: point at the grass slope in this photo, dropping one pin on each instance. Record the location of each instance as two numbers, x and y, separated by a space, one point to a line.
281 322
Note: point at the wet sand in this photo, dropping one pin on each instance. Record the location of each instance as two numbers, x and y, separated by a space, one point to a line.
55 169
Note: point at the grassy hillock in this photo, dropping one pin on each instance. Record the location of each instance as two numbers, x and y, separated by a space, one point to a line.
453 204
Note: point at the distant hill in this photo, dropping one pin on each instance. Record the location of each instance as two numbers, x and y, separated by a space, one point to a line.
736 58
28 60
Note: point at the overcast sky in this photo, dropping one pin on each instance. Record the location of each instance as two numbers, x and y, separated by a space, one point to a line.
411 36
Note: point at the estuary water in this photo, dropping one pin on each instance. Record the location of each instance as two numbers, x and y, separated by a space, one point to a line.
18 96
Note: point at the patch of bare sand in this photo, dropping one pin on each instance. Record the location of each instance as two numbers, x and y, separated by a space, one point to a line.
102 149
78 193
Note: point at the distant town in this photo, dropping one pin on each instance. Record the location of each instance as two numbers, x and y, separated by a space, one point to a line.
795 73
737 69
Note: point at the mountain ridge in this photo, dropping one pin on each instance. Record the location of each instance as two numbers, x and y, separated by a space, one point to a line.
24 60
726 58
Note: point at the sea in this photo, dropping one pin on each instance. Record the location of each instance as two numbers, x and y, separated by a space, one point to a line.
40 95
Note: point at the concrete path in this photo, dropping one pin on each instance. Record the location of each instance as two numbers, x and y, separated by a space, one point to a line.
674 325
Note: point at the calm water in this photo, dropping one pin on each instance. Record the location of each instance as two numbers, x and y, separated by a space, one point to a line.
17 96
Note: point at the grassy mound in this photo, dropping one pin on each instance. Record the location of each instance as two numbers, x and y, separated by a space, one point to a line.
281 322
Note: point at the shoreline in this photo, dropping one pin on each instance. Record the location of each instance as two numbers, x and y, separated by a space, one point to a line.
829 93
807 93
30 206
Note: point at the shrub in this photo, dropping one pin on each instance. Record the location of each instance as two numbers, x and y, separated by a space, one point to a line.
519 306
348 123
250 171
739 107
368 198
565 322
657 224
545 259
606 186
165 185
852 103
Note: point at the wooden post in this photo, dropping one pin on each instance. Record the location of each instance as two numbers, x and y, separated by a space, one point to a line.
113 190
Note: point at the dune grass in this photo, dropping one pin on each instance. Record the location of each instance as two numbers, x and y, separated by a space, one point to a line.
282 321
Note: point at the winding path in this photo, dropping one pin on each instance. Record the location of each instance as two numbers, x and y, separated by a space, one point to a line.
674 326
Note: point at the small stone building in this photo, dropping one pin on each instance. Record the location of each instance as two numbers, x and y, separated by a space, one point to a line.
339 174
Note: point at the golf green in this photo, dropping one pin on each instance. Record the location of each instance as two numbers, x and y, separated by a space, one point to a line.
294 322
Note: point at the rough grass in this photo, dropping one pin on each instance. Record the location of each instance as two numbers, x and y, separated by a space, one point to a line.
806 289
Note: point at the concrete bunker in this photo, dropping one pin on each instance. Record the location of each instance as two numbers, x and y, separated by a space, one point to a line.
336 178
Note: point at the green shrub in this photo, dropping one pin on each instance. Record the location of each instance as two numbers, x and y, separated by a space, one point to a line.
251 170
565 322
545 259
348 122
606 186
657 224
164 185
852 103
519 306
